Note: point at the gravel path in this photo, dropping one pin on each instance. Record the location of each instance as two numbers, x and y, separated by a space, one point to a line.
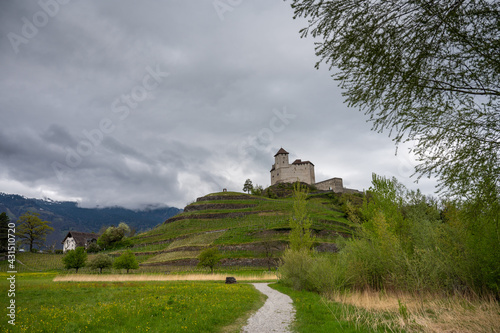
274 316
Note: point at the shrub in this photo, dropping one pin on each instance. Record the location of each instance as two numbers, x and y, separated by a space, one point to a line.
209 258
123 243
294 267
300 224
126 261
101 261
93 248
114 237
309 270
75 258
324 275
257 190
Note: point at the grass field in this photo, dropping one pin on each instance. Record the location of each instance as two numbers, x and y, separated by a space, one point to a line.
419 313
314 315
174 306
47 302
161 277
391 312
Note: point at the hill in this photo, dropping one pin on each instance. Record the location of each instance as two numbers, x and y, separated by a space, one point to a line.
66 215
249 230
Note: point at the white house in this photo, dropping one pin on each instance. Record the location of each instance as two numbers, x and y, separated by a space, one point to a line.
76 239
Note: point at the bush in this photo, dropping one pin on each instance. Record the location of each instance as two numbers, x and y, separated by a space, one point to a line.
58 251
126 261
284 190
101 261
294 269
209 258
300 224
120 244
110 236
324 274
257 190
115 237
93 248
309 270
75 258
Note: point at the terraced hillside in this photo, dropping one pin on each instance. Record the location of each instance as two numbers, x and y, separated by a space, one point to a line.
248 230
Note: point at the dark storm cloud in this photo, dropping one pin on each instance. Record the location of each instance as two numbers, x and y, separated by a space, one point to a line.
135 103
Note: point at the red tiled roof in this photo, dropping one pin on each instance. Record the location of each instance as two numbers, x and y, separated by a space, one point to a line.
81 237
298 161
281 151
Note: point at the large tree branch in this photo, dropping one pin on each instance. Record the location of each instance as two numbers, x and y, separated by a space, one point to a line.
466 90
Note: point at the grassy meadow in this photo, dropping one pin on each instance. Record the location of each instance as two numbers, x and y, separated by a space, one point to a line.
135 306
380 311
51 302
428 313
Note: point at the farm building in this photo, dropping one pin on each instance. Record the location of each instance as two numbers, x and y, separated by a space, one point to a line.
76 239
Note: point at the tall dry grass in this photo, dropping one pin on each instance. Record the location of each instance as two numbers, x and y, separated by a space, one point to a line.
428 314
157 277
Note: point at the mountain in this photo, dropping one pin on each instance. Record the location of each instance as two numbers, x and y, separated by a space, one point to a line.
66 215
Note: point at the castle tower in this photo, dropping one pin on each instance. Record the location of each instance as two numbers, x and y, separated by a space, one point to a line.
281 159
284 172
280 163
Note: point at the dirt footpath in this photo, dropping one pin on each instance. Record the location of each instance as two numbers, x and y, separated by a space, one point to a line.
275 315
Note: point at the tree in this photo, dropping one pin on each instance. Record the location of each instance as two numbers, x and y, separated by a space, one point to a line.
4 227
270 248
101 261
126 261
125 228
32 230
257 190
427 71
75 258
247 187
300 224
209 258
93 247
113 235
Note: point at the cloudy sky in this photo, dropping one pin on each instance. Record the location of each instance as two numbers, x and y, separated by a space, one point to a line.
146 102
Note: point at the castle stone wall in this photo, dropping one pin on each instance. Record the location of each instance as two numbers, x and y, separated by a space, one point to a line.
292 173
333 184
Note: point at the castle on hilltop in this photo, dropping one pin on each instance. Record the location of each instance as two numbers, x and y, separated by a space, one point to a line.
303 171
